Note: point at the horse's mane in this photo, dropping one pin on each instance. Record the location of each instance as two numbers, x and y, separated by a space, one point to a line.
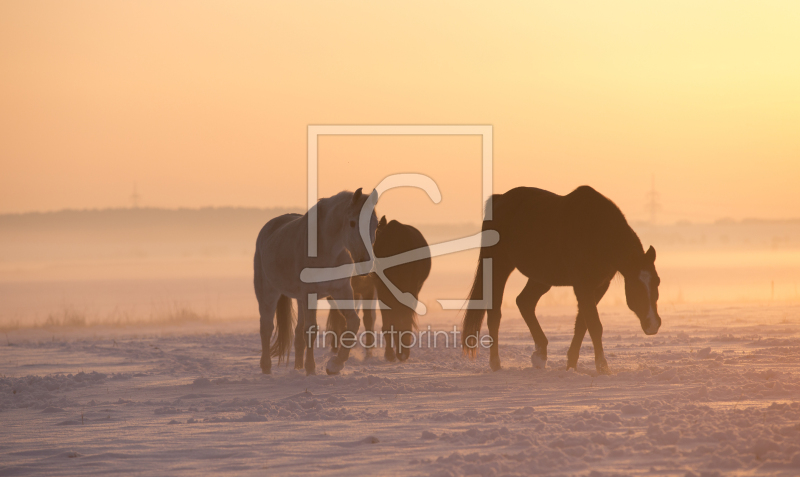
342 198
333 204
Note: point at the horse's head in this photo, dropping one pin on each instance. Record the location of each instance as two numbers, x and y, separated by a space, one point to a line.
641 291
382 224
360 210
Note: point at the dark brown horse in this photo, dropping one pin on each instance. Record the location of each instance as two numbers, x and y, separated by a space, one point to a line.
580 240
391 239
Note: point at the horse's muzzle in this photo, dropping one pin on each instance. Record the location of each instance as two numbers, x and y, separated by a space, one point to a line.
651 324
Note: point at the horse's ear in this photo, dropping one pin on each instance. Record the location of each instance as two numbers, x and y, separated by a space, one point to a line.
382 223
651 254
357 195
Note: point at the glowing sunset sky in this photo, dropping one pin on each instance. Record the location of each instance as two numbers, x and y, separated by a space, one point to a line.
207 103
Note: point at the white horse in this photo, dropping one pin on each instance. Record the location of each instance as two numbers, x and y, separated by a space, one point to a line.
282 253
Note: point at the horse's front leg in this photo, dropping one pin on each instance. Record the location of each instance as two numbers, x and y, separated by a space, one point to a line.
587 309
309 335
577 340
344 300
369 322
580 329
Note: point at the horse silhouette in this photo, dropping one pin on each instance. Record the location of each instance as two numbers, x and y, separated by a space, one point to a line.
282 254
580 240
398 320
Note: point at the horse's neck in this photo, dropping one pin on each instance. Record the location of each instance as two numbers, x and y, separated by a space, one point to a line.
630 252
330 244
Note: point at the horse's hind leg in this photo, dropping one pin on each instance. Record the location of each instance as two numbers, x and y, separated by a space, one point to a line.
368 298
587 309
500 276
299 339
267 305
580 330
526 302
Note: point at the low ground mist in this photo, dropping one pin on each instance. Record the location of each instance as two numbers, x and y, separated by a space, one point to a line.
126 267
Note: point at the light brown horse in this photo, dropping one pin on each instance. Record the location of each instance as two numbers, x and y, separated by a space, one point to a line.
282 257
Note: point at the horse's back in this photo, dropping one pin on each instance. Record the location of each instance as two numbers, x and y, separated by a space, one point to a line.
275 224
549 237
264 254
585 201
543 203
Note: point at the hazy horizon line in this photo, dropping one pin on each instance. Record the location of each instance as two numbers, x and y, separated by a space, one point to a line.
289 209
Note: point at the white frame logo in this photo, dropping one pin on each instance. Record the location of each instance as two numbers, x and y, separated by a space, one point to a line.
485 239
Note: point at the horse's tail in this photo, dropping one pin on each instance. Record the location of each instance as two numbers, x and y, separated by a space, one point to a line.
473 318
284 337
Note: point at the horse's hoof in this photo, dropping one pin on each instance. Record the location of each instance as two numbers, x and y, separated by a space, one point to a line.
538 361
334 366
266 366
311 369
494 363
572 365
602 367
389 355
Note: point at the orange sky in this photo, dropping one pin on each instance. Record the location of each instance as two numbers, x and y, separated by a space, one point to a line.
207 103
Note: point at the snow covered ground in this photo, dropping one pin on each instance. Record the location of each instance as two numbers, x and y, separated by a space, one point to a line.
716 392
